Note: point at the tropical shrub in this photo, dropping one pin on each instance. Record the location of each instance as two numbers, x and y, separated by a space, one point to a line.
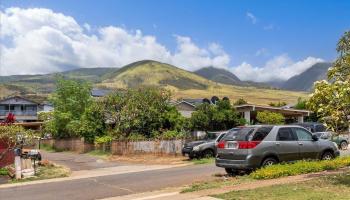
221 116
266 117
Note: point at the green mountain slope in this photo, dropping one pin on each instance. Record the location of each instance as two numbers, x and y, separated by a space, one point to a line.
305 80
153 73
219 75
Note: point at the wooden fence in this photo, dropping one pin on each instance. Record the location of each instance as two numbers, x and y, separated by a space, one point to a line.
159 147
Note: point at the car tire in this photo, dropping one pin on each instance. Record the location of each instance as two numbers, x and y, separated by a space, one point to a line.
231 172
327 156
343 145
268 162
191 157
208 153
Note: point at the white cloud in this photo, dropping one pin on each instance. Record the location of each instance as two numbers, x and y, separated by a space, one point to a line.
39 40
262 52
278 68
251 17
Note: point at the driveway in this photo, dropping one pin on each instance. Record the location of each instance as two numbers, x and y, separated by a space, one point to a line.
78 162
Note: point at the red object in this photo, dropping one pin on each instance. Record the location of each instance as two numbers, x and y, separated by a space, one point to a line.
8 158
221 145
10 119
241 144
248 144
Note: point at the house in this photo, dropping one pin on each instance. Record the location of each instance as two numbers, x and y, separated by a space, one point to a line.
25 110
185 108
248 111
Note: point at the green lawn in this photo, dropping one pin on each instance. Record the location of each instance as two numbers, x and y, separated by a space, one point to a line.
203 161
47 172
329 187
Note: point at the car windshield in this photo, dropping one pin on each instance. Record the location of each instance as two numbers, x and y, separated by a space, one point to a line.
210 136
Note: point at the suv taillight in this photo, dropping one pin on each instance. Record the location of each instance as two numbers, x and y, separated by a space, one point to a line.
248 144
221 145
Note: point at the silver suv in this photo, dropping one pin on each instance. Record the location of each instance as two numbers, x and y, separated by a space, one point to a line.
256 146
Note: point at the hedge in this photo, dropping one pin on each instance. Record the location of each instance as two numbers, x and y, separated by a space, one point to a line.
299 167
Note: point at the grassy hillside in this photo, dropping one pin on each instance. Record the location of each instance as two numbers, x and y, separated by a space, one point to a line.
152 73
184 84
219 75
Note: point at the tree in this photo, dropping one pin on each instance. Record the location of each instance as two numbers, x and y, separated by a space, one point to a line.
14 135
240 101
221 116
142 112
330 99
70 100
266 117
301 104
278 104
93 122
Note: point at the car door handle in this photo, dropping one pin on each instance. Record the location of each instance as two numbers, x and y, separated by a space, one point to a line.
301 144
278 144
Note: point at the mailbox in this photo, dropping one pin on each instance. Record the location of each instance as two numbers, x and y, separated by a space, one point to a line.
18 152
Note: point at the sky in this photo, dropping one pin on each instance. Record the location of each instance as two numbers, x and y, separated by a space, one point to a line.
257 40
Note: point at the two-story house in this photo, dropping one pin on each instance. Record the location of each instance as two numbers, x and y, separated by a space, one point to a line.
25 110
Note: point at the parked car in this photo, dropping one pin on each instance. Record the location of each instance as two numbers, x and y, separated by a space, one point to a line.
341 141
313 126
257 146
205 147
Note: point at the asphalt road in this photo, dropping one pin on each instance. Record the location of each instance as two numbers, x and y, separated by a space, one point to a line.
76 162
113 185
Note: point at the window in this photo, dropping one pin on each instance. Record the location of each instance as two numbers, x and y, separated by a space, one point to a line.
240 135
303 135
261 133
285 134
320 128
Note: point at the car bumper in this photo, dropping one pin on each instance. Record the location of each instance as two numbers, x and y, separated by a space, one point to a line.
189 152
249 163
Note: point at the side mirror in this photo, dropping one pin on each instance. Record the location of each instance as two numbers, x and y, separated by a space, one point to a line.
314 137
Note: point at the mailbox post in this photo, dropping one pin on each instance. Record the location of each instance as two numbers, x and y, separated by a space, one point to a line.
18 163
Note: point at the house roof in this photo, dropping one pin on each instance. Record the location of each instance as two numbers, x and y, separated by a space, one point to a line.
185 102
287 111
99 92
19 97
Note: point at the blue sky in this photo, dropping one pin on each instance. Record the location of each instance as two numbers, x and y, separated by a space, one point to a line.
251 32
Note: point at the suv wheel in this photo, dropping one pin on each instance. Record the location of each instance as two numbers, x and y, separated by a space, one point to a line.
208 153
343 145
231 171
327 156
269 161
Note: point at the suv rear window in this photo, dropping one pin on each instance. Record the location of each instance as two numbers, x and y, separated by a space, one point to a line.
261 133
246 134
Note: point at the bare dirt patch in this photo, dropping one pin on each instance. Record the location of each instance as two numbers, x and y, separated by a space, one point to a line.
150 159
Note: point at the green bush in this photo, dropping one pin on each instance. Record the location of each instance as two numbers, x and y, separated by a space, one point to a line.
267 117
300 167
3 172
172 134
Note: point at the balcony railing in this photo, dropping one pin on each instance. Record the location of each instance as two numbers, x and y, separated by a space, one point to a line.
18 113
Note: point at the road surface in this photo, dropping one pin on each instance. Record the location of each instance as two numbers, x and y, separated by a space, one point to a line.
112 185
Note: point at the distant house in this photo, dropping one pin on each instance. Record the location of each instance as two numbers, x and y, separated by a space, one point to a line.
99 92
185 108
25 110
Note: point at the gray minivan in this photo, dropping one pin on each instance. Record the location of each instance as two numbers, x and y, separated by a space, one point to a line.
256 146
